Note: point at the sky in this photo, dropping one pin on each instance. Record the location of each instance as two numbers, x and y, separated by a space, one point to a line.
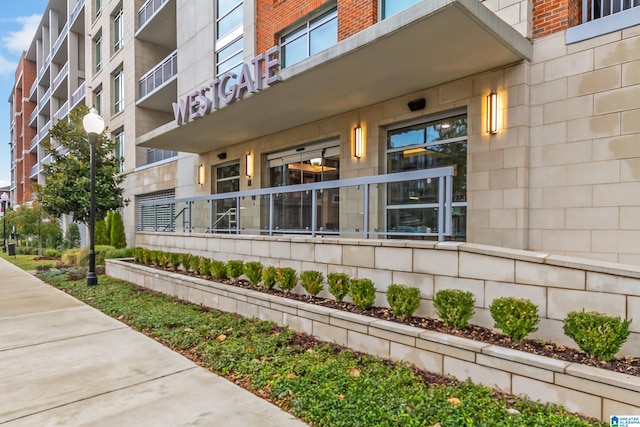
18 23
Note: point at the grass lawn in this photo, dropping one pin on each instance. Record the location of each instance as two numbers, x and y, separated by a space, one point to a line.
27 262
320 383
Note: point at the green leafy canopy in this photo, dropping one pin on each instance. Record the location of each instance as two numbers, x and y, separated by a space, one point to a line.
66 189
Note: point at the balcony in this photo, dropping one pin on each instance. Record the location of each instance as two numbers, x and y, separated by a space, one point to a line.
76 11
158 88
32 116
33 144
44 132
34 171
32 91
601 17
62 112
60 77
157 23
77 96
60 39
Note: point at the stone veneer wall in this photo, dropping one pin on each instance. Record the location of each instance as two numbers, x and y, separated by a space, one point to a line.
556 284
591 391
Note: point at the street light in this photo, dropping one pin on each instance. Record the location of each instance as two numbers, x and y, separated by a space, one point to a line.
94 126
4 198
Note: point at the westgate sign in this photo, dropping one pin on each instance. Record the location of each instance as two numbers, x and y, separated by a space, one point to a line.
222 90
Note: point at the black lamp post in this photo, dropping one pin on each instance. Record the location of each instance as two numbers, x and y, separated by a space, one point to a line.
4 198
94 126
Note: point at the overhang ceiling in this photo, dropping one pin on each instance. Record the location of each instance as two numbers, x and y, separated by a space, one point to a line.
428 44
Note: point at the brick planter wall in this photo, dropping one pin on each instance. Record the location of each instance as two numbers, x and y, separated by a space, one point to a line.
590 391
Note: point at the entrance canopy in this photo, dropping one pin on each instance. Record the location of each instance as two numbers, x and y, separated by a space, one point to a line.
431 43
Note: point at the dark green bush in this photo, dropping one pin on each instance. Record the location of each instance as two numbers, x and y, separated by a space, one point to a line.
101 236
234 268
146 256
119 253
218 269
186 261
116 231
362 293
312 281
137 254
516 317
454 307
597 334
338 285
205 266
403 300
52 252
253 271
269 274
164 259
286 278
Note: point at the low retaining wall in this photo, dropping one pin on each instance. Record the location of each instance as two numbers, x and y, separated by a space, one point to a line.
590 391
556 284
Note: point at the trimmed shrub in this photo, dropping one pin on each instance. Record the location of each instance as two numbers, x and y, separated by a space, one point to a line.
404 300
194 264
597 334
186 261
269 274
137 254
312 281
175 259
286 278
253 271
117 236
120 253
82 256
101 236
234 268
51 252
516 317
454 307
205 266
362 293
218 269
338 285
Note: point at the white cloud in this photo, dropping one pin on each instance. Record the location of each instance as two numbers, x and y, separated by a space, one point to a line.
6 66
17 41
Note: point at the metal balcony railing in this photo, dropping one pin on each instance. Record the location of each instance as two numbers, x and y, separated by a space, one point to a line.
34 170
33 89
149 9
159 75
355 207
33 115
62 111
596 9
77 95
60 77
44 99
34 142
60 39
42 134
76 10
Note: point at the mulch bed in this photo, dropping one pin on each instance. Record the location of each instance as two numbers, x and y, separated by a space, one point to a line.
625 365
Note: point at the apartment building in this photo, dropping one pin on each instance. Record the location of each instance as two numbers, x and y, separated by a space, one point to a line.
533 106
22 135
511 124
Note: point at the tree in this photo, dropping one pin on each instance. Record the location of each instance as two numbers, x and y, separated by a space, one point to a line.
66 189
101 233
72 236
118 239
32 222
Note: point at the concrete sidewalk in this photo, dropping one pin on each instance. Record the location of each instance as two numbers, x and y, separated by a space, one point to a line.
63 363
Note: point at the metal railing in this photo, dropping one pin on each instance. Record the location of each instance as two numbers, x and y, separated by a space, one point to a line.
149 9
34 170
61 75
77 95
62 111
34 142
355 207
76 10
596 9
44 132
33 89
60 39
159 75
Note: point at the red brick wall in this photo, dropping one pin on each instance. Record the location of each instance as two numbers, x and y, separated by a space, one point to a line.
550 16
272 16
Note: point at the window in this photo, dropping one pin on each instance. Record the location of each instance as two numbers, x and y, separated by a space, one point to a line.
117 30
118 138
227 181
97 7
118 91
229 58
312 37
97 52
391 7
156 155
97 100
159 217
412 206
229 16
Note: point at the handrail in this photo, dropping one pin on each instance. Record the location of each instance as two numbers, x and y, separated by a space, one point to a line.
163 72
596 9
171 226
443 208
228 213
148 10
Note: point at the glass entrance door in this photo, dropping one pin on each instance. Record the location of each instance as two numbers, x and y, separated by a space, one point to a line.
293 211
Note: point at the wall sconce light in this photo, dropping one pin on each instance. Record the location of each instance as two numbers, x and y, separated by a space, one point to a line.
358 142
417 104
248 164
201 176
492 112
316 161
222 156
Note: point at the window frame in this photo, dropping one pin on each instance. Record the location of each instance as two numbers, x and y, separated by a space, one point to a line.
118 137
383 4
97 100
118 91
97 53
118 29
219 18
305 30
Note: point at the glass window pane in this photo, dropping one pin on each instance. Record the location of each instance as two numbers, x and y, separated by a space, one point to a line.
224 6
230 22
230 50
391 7
294 51
323 37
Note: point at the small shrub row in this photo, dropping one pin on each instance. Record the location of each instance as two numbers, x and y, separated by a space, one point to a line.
596 334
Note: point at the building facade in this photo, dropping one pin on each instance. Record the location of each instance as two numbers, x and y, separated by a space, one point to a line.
525 113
